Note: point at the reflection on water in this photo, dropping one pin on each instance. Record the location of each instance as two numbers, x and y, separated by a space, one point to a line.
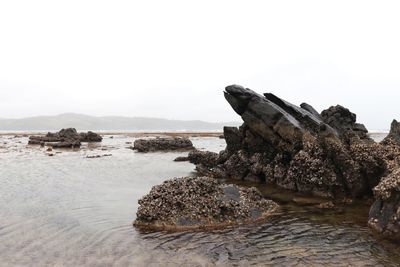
68 210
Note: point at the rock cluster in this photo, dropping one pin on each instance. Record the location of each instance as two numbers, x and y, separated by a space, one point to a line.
163 144
200 202
295 148
327 154
65 138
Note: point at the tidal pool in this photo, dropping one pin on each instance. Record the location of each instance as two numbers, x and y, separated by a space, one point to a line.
69 210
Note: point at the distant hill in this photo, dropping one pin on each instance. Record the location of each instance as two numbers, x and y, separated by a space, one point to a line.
110 123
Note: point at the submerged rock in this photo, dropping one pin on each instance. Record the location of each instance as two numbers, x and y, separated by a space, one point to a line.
181 159
71 143
343 120
189 202
162 144
65 138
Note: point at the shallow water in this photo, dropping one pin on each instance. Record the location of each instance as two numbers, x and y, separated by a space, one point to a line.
68 210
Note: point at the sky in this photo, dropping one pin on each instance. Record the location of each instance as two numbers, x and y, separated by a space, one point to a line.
173 59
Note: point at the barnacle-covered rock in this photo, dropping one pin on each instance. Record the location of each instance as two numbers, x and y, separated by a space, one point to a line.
163 144
296 148
384 216
204 158
327 154
65 138
201 202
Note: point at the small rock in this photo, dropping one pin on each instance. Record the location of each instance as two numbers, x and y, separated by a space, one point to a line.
163 144
180 159
326 205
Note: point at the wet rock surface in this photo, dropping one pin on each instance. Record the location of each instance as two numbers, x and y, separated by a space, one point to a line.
384 215
65 138
163 144
199 202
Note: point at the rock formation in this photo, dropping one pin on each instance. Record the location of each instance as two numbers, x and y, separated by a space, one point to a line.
384 215
191 202
65 138
163 144
296 148
394 134
341 119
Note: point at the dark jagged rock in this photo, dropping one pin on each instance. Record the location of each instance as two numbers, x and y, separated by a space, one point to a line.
292 147
90 137
65 138
311 109
273 119
394 134
204 158
202 202
343 120
163 144
232 138
328 155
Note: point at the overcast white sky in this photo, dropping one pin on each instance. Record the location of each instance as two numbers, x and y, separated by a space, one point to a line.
172 59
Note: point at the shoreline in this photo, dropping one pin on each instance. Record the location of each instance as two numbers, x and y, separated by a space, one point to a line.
130 134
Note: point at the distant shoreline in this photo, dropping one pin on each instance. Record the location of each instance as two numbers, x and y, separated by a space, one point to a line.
131 134
376 135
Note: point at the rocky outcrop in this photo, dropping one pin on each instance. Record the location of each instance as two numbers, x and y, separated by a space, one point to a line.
295 148
327 154
232 138
186 203
90 137
384 215
65 138
163 144
394 135
204 158
343 120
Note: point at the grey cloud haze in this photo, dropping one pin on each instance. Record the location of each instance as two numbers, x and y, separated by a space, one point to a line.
172 59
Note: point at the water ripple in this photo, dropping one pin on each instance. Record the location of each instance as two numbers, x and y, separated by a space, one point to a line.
69 211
